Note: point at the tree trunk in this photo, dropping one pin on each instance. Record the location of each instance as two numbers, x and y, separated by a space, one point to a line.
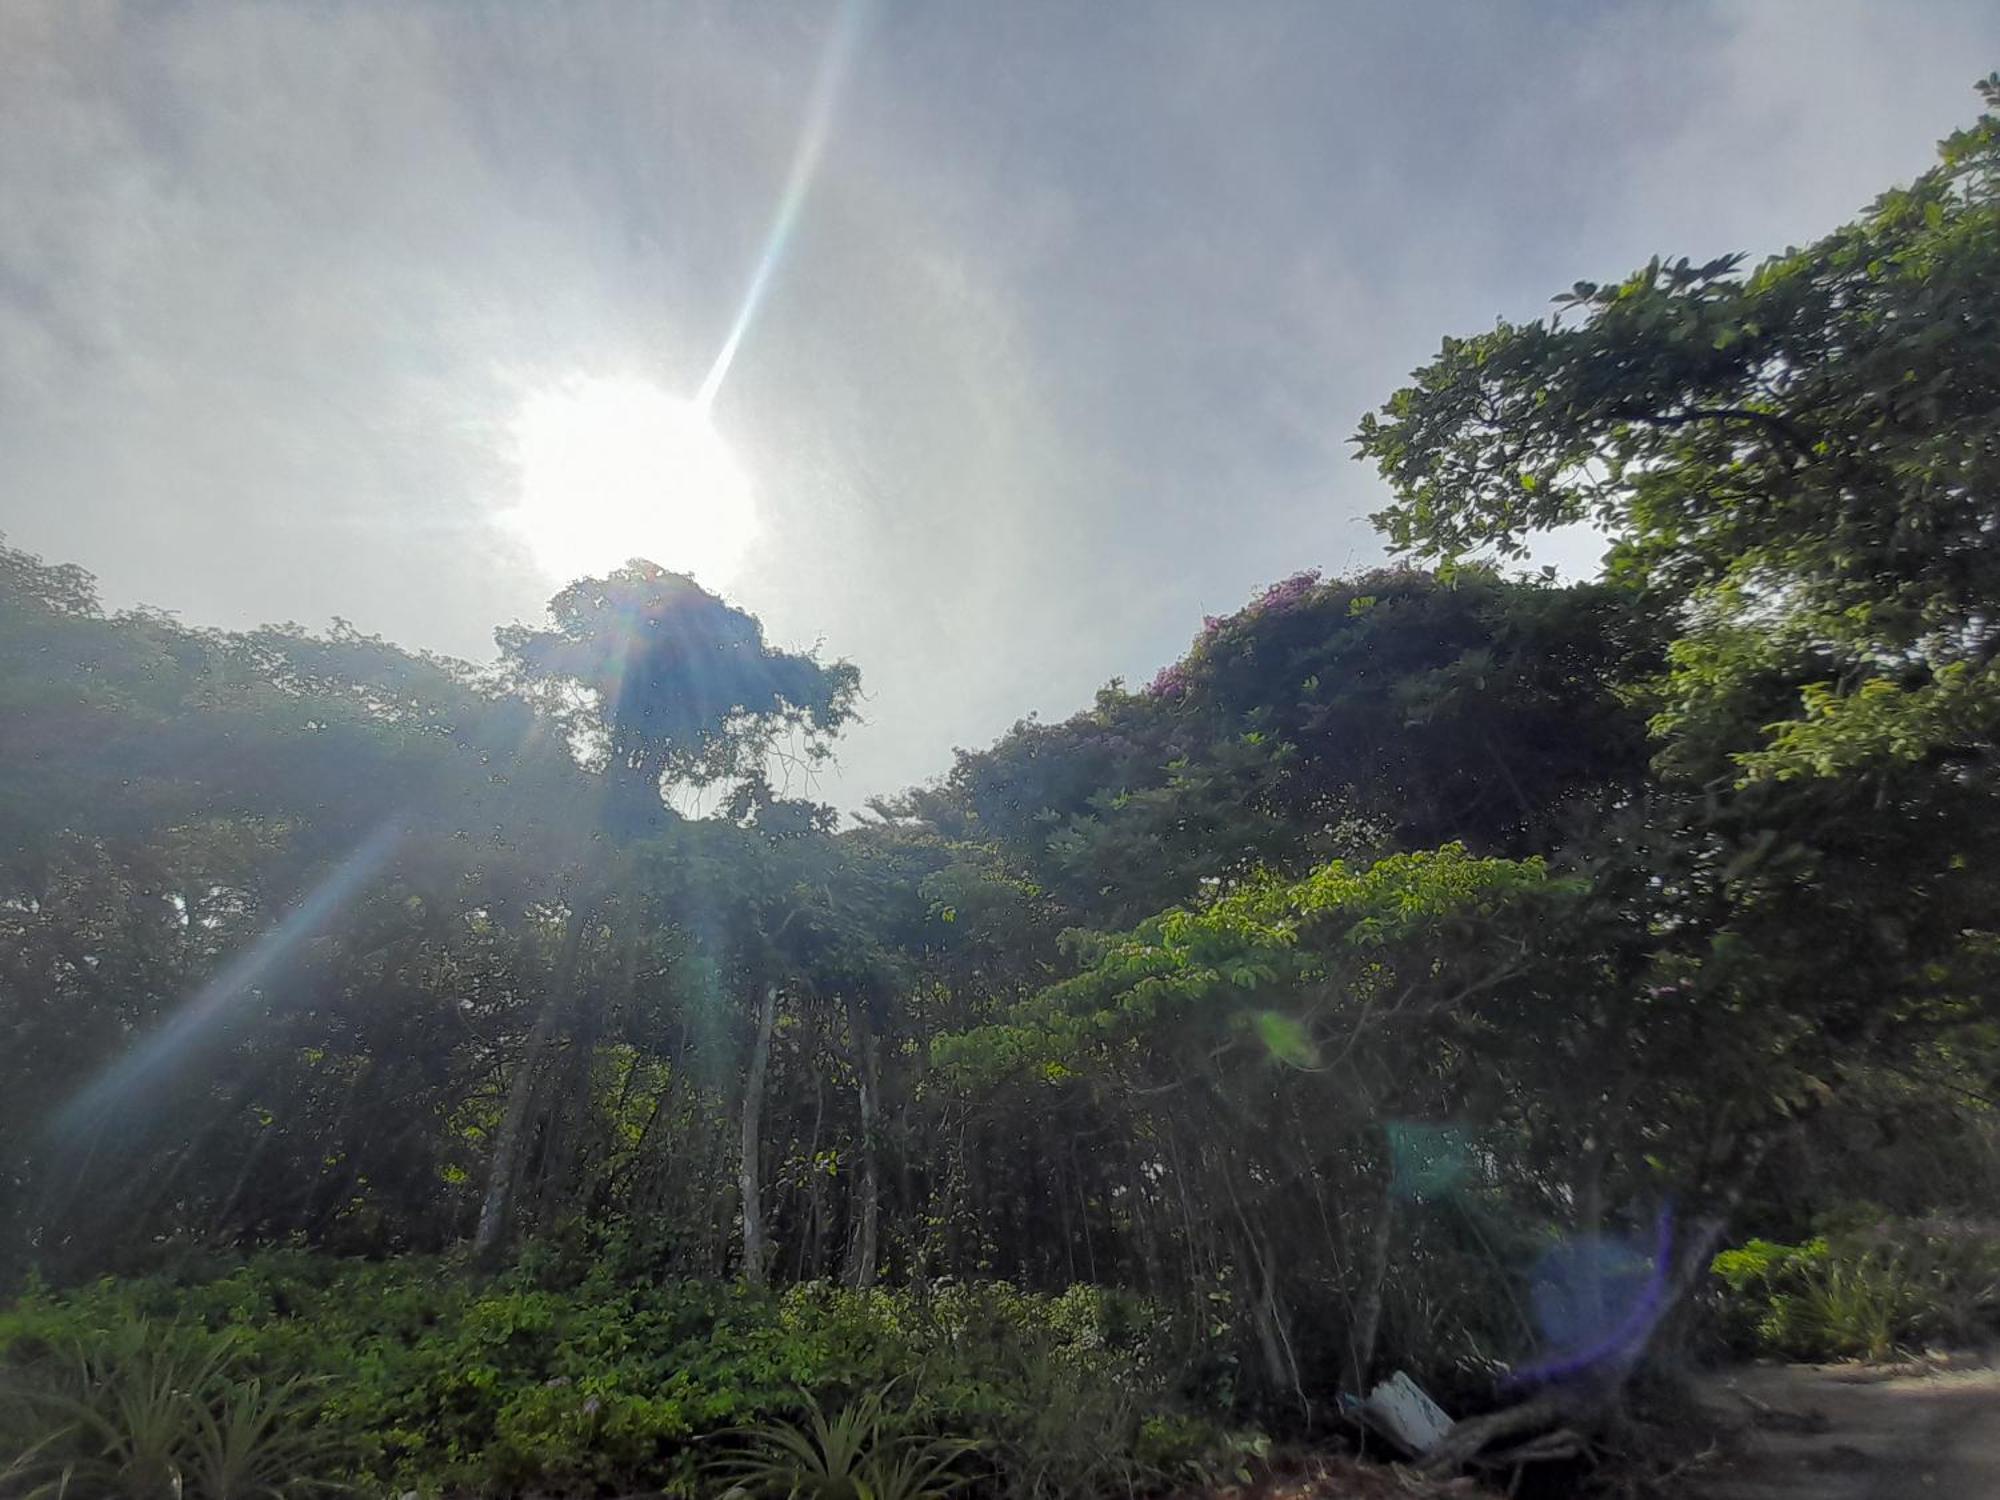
811 1243
648 1195
490 1237
576 1101
756 1251
1368 1316
1468 1439
862 1251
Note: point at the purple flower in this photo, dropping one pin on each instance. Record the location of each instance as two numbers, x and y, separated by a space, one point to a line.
1286 594
1282 596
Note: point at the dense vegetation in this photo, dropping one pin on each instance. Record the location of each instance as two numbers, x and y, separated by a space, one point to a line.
1426 971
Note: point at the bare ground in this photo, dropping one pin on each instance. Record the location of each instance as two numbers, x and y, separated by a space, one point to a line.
1842 1432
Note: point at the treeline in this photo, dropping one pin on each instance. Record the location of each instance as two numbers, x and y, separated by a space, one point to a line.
1408 927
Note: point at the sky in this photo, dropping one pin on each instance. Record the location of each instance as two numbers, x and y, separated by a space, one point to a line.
1061 349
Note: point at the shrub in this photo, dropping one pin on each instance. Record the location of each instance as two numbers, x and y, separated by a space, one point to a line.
563 1377
1860 1294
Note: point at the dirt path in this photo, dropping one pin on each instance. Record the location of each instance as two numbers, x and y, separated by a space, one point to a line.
1847 1433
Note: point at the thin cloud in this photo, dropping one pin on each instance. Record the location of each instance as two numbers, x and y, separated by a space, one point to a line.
1063 351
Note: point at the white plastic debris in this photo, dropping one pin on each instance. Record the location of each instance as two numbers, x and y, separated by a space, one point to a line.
1405 1414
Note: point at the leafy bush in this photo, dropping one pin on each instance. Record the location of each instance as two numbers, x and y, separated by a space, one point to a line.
1860 1294
572 1376
1759 1281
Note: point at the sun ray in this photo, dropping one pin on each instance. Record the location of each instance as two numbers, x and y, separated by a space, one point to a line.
827 86
206 1008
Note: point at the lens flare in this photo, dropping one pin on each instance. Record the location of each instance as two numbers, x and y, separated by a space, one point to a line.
1598 1299
200 1015
798 182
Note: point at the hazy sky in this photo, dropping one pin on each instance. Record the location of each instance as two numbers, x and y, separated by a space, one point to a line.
1064 350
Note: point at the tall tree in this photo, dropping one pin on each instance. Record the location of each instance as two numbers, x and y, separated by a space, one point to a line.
664 685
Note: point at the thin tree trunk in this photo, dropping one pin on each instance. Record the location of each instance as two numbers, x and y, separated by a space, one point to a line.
756 1250
1083 1208
250 1158
574 1105
490 1237
647 1194
811 1243
1069 1231
1267 1317
1368 1316
1144 1232
868 1216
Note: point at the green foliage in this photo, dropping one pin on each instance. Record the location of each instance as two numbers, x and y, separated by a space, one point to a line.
862 1452
565 1377
674 682
1408 931
1807 1302
1389 711
1807 447
1861 1294
1338 932
141 1410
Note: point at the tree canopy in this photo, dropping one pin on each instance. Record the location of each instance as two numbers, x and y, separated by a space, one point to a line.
1803 456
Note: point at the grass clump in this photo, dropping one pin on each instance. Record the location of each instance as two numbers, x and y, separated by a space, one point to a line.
864 1451
144 1411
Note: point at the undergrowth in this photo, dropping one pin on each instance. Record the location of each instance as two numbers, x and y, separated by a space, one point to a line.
574 1379
1861 1293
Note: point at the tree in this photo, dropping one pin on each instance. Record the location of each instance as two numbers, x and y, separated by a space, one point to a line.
1393 710
173 797
671 686
1805 459
1262 1056
1799 468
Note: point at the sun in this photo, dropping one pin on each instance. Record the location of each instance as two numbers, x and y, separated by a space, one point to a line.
616 469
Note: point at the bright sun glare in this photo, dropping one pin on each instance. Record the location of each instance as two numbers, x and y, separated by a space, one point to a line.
616 469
